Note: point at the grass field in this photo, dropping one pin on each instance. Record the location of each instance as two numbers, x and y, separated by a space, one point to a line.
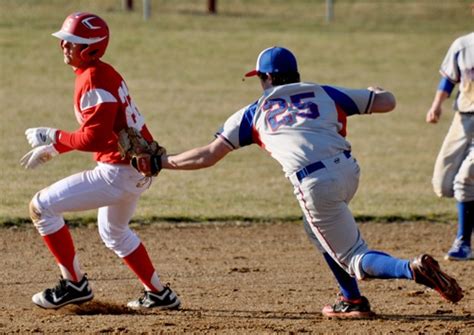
184 70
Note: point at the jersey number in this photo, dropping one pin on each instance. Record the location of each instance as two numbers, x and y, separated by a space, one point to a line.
134 118
278 112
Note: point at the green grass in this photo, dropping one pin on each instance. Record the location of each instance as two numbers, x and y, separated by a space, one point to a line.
184 70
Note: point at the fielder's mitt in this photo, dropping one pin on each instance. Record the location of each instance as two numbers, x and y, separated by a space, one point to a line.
143 156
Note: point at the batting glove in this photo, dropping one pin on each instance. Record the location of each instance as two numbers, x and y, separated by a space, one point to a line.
38 156
40 136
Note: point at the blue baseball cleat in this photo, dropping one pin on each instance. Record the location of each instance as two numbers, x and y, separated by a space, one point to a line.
459 251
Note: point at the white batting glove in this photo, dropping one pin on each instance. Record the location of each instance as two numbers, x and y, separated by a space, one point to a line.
40 136
38 156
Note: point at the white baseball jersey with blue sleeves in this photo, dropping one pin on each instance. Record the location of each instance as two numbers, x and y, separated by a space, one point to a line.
458 66
298 124
303 126
454 167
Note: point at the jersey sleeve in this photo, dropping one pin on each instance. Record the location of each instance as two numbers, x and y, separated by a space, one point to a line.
238 130
449 67
351 101
99 108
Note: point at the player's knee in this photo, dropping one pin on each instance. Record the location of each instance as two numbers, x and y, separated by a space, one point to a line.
35 211
45 220
464 184
122 242
463 193
355 268
443 190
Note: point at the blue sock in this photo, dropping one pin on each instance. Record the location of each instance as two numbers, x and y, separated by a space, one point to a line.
465 221
347 284
377 264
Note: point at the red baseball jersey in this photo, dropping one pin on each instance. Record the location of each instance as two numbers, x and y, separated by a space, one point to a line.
103 107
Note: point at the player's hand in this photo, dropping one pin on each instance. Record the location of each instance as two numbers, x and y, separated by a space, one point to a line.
40 136
433 114
38 156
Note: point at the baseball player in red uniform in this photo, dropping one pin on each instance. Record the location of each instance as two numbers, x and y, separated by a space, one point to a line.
454 168
303 126
103 106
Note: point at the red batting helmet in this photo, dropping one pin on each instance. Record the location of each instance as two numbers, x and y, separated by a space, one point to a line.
88 29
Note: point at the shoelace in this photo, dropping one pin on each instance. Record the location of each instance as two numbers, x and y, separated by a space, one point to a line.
60 288
142 298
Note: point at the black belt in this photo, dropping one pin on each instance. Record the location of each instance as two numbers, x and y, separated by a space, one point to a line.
301 174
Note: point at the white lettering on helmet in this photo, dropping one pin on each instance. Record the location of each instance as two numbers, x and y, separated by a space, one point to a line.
88 24
67 24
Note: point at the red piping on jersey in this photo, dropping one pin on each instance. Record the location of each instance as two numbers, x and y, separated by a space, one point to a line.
342 118
256 138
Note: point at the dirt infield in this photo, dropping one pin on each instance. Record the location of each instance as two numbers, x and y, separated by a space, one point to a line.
232 279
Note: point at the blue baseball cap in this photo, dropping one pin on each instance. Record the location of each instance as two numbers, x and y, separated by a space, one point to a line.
274 60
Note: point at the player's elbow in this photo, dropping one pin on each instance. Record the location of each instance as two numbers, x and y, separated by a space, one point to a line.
384 102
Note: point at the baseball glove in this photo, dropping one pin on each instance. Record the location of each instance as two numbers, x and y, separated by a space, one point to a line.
144 157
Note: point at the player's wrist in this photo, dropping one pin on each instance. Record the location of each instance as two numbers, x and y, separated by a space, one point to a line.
52 134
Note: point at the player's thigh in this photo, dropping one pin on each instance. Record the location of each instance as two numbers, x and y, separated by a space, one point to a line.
81 191
325 206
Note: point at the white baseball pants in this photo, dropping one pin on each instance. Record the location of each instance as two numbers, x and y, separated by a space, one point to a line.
324 197
113 189
453 174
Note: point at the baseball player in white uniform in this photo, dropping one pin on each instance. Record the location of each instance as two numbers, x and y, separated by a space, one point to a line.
103 107
454 168
303 126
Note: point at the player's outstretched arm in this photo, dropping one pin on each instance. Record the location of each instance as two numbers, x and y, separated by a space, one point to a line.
384 101
197 158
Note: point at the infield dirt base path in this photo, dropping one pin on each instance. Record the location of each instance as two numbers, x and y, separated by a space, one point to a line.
232 279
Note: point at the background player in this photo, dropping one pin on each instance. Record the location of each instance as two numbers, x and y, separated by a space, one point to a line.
103 107
454 168
303 126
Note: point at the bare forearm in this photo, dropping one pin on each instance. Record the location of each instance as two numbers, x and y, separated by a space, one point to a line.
439 98
190 160
197 158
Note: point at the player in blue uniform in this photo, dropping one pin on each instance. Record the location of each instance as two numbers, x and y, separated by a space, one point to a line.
453 174
303 126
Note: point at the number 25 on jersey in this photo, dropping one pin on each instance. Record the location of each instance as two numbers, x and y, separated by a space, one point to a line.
279 112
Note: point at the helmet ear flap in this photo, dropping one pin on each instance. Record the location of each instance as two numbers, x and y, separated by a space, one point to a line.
89 53
85 54
92 52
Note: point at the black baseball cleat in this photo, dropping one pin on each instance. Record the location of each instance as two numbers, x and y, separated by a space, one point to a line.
426 271
165 299
349 309
66 292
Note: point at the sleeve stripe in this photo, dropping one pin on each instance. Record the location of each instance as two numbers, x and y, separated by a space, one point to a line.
96 97
226 141
370 103
446 85
341 99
